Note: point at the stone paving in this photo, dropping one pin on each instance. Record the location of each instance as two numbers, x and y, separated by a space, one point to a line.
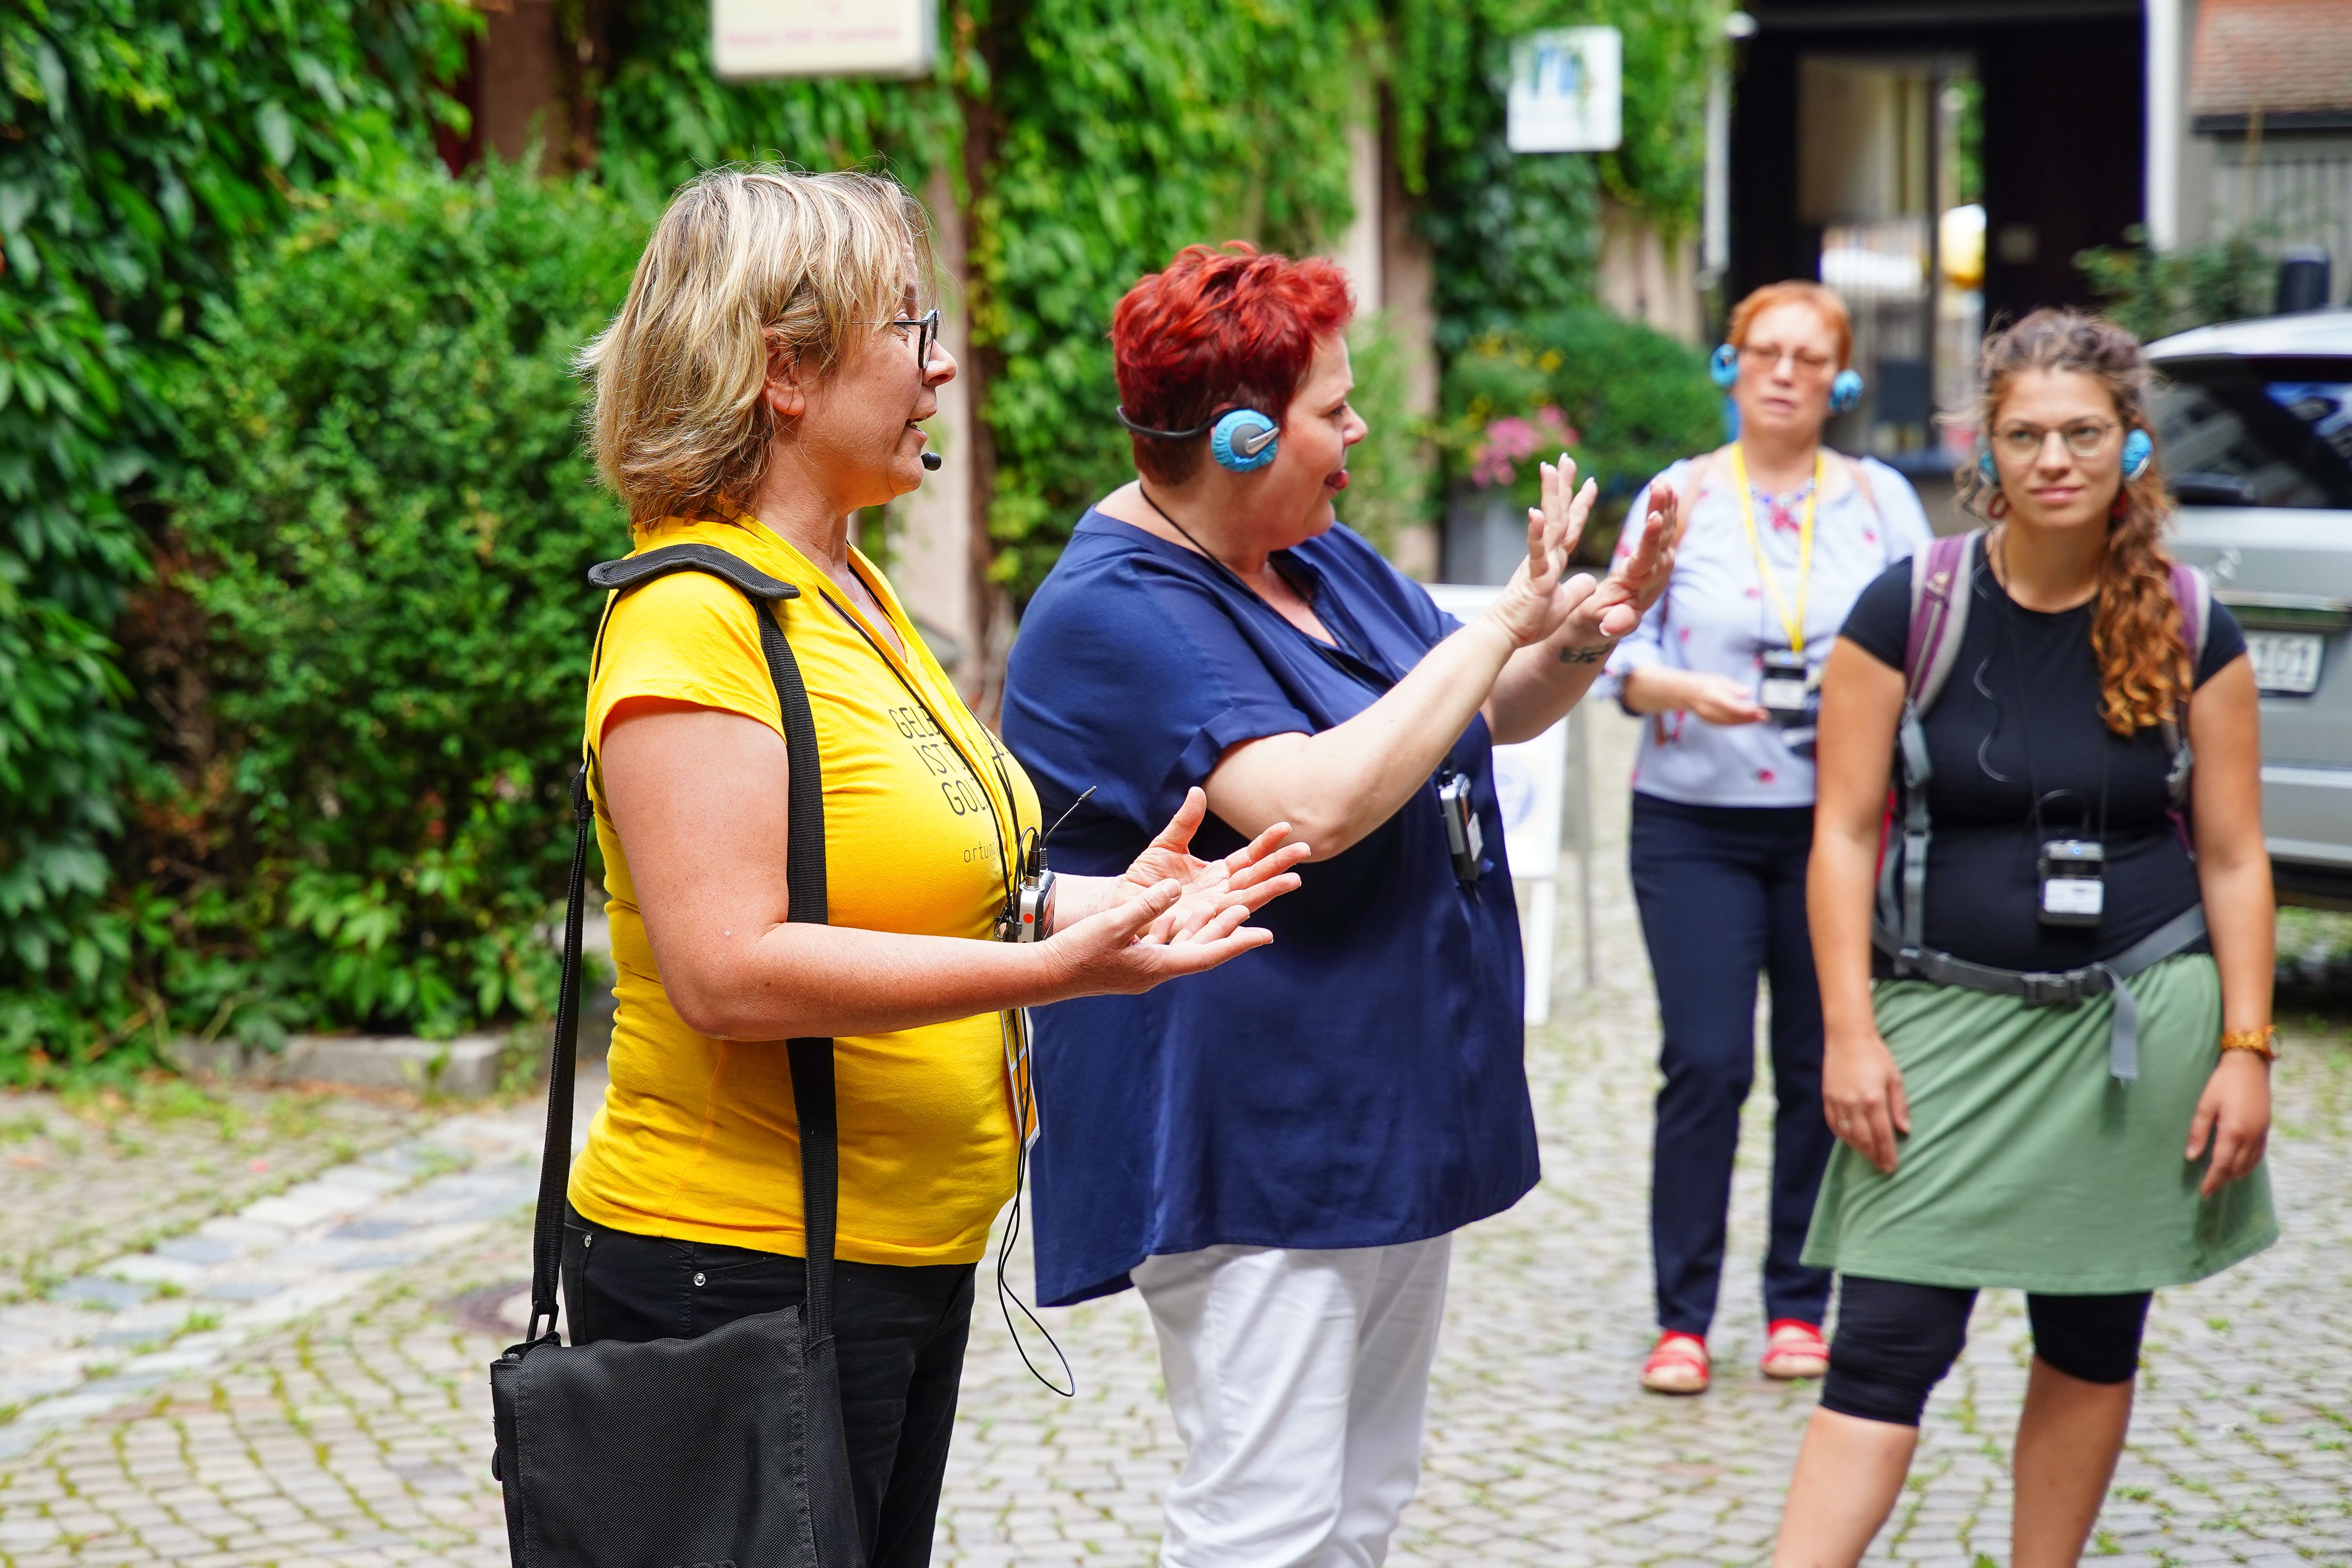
353 1428
85 1177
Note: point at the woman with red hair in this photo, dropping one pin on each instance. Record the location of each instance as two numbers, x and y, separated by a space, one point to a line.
1278 1158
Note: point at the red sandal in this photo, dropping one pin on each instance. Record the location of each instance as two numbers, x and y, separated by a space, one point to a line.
1677 1364
1796 1350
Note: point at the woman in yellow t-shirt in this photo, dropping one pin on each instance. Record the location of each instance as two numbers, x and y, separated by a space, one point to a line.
767 378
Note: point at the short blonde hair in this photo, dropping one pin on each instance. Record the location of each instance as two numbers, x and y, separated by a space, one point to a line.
1826 305
747 263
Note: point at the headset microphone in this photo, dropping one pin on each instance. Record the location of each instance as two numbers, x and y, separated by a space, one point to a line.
931 461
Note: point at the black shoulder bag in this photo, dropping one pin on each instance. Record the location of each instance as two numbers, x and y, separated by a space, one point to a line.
726 1449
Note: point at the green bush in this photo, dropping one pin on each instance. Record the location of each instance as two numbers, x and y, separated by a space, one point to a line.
388 514
1390 471
2153 294
1635 399
145 147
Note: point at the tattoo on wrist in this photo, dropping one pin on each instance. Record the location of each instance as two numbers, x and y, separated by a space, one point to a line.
1592 655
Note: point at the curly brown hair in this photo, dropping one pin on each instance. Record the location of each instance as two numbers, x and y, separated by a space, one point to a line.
2136 630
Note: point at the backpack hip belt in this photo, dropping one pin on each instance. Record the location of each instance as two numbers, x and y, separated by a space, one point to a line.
1943 580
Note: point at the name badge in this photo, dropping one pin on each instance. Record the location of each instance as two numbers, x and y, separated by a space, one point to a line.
1785 690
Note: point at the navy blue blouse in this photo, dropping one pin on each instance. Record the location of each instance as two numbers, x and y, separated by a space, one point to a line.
1361 1081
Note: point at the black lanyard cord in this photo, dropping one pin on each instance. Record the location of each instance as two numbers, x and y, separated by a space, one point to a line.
2009 609
1003 864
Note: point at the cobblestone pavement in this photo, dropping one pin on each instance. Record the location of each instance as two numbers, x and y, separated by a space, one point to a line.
357 1432
1543 1448
88 1176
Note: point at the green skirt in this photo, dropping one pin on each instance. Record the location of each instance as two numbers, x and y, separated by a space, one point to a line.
2027 1165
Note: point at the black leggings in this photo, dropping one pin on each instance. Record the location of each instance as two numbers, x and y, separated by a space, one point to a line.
1896 1341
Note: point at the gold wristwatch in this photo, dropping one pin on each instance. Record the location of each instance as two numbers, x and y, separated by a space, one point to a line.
2262 1041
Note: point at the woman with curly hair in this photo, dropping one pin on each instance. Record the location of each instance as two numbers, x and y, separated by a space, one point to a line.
2048 1051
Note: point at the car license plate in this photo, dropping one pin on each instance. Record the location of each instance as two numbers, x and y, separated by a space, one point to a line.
2285 660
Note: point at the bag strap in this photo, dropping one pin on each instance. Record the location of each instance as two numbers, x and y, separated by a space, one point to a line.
804 877
2195 597
1941 578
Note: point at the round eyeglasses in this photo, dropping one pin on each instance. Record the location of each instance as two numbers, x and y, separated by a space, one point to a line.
2084 438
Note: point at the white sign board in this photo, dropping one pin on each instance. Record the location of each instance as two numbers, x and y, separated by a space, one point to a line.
1531 786
1567 92
824 38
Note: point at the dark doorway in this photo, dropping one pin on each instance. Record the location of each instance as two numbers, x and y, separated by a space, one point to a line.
1972 146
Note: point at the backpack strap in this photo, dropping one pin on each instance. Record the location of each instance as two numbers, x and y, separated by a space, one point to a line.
1861 477
2195 597
1941 578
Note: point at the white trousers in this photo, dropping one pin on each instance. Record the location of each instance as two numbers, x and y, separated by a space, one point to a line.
1299 1381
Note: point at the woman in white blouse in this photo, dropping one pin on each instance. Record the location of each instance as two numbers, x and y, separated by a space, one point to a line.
1783 534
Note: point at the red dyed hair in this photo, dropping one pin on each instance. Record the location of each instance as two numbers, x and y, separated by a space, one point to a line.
1224 327
1825 303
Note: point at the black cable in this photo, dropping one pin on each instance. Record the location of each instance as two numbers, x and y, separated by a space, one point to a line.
1024 1101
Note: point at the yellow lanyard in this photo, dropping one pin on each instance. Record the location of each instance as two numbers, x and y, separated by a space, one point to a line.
1795 625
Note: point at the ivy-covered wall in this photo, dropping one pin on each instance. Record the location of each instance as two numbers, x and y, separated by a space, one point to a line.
146 147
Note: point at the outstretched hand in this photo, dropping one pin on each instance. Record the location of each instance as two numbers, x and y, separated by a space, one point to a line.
1248 879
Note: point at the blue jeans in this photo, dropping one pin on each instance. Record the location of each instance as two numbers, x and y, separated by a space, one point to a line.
1722 894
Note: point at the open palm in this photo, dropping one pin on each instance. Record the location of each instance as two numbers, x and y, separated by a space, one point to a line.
1251 876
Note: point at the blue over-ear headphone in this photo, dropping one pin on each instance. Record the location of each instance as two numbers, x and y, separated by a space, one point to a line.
1723 369
1243 439
1240 439
2139 450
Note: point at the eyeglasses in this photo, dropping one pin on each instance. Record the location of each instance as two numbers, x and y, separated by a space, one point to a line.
927 333
2084 438
1767 356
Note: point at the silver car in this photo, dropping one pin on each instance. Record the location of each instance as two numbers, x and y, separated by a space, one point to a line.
2256 421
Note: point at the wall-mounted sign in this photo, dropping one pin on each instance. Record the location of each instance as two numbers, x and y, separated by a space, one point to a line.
1567 92
824 38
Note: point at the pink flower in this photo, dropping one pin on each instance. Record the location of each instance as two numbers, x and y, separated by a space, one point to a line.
1509 441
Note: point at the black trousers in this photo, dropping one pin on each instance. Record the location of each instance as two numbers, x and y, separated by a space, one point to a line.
1721 891
900 1334
1896 1340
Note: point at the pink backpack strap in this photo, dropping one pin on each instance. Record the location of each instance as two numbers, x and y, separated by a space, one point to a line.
2195 597
1940 577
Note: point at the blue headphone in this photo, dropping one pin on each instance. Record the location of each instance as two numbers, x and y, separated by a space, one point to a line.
1240 439
2139 450
1723 369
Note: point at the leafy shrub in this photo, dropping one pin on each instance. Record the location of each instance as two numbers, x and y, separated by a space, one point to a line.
2153 294
1390 472
1634 399
145 145
387 514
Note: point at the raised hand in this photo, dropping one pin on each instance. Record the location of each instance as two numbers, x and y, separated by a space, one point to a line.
1541 595
1642 570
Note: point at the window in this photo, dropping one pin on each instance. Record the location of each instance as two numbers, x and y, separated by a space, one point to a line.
2257 433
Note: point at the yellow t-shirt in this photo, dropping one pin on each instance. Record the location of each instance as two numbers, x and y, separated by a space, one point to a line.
696 1138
